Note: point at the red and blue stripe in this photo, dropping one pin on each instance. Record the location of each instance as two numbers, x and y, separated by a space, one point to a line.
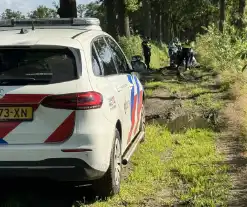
140 98
135 104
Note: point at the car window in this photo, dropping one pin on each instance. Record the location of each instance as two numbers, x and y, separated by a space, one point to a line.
118 55
37 65
105 56
95 63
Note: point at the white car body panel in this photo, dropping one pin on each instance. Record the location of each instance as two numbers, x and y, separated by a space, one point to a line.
92 129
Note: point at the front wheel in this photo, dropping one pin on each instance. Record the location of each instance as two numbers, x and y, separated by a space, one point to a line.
109 184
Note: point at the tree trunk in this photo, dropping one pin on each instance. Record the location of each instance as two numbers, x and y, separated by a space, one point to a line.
164 26
153 21
158 32
164 21
146 6
123 18
111 18
222 15
126 25
241 9
120 17
68 9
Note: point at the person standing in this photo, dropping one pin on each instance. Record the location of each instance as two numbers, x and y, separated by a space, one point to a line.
186 54
146 47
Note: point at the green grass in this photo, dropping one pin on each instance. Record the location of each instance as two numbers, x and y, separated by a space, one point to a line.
149 92
187 163
198 176
188 89
205 104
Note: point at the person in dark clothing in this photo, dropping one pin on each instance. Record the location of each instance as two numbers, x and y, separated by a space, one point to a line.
146 47
186 54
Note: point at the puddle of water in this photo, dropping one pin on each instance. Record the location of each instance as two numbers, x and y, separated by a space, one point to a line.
182 123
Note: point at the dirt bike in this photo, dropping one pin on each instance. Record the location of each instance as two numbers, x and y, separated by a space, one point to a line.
192 60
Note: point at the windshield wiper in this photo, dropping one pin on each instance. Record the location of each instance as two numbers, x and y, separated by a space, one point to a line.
22 80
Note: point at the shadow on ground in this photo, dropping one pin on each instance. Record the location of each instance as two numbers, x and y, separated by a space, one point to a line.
43 193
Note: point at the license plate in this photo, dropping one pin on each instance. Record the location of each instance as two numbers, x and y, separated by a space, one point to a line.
16 113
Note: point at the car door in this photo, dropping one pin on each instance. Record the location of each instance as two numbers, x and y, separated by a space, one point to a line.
104 70
124 86
132 91
113 82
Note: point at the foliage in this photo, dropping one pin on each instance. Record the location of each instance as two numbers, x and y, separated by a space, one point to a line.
221 51
42 12
132 46
190 13
96 10
132 5
81 8
9 14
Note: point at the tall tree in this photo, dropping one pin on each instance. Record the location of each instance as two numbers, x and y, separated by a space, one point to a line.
123 18
9 14
111 17
241 9
146 18
222 15
42 12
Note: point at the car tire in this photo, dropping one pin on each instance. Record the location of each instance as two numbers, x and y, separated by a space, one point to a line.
143 122
109 184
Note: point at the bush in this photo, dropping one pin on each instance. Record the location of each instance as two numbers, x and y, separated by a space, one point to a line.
224 54
221 51
132 46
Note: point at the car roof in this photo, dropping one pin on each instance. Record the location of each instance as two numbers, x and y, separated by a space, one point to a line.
53 36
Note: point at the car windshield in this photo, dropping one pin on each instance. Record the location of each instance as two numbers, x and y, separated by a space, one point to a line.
36 66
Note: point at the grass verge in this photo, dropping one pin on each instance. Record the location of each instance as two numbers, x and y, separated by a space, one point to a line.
188 163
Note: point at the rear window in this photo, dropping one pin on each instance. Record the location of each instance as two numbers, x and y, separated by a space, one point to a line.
20 66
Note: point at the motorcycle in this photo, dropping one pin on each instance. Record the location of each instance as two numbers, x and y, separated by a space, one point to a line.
192 60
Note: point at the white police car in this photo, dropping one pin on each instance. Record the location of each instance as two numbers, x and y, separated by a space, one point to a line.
70 108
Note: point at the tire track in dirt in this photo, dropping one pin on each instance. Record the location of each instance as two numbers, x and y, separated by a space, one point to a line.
236 159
